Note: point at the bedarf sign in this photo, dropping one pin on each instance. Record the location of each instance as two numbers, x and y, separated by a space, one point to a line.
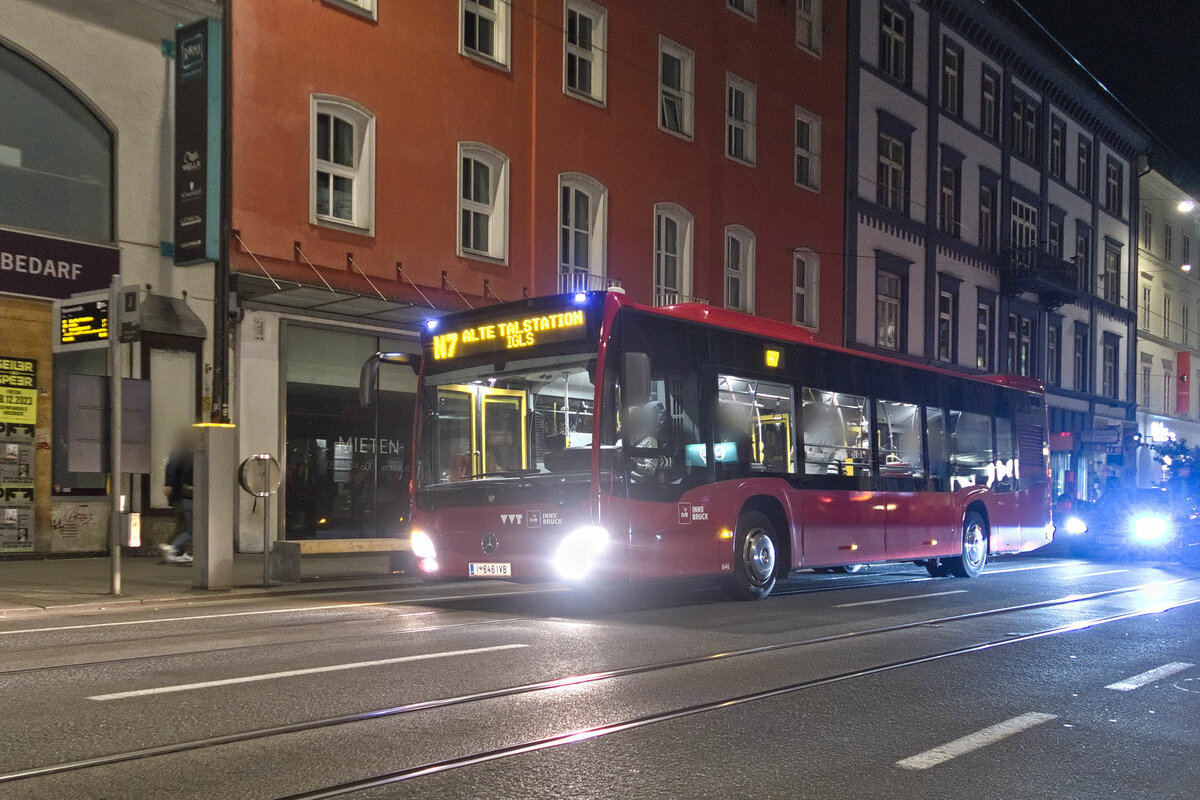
43 266
197 141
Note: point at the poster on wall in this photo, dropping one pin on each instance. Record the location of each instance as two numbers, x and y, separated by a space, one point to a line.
18 421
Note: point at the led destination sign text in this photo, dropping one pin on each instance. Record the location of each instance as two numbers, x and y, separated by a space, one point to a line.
508 334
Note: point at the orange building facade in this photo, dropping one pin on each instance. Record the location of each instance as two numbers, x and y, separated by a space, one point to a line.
394 159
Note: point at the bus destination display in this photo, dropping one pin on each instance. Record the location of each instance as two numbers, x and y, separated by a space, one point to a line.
508 334
84 322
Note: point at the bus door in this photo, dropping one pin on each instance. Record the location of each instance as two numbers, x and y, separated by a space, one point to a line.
844 516
481 429
914 510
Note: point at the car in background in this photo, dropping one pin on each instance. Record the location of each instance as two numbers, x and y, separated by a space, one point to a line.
1145 523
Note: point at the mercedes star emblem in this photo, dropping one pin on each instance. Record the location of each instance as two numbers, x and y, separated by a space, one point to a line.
489 544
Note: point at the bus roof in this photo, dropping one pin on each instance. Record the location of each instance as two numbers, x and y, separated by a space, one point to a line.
782 331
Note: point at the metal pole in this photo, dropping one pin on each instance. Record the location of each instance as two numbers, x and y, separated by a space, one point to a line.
114 439
266 526
221 281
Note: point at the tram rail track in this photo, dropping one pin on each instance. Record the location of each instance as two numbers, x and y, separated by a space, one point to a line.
585 678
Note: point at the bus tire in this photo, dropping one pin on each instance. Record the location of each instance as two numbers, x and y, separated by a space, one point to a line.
974 548
754 559
936 567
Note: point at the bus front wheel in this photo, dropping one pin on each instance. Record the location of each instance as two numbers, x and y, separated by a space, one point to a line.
755 557
974 548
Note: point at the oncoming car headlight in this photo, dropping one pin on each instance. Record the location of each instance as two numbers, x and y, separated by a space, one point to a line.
1075 526
423 551
1150 528
578 549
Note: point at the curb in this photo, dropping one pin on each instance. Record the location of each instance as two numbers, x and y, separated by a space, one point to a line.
211 595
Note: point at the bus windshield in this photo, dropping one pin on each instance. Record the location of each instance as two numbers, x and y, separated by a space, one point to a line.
519 421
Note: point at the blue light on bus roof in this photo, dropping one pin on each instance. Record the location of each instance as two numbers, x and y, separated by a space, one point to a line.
580 297
431 324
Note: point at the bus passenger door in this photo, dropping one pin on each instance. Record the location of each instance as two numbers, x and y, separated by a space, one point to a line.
504 441
844 517
916 512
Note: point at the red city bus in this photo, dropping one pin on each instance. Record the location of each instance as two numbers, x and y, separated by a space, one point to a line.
590 438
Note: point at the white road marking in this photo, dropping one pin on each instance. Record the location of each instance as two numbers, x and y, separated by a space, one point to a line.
292 673
975 741
898 599
211 616
1138 681
1094 574
413 602
1032 567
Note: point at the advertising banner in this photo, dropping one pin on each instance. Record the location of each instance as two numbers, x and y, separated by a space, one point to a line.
197 141
18 420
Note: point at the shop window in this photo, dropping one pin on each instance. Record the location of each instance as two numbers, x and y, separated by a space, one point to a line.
61 183
347 466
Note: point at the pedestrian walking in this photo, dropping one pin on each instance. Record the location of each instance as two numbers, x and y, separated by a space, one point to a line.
178 488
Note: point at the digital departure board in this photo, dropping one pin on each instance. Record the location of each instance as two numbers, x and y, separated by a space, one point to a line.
507 333
84 322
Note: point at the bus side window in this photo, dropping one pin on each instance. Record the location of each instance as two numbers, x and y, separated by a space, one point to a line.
935 433
1006 466
754 427
971 449
837 434
898 434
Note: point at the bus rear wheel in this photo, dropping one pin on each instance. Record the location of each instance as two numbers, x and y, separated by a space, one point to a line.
755 563
974 548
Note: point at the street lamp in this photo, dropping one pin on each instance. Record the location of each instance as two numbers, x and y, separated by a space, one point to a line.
1187 206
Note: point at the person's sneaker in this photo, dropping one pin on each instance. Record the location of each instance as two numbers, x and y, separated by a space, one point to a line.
186 558
168 553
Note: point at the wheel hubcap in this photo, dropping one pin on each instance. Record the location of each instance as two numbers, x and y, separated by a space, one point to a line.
759 555
974 544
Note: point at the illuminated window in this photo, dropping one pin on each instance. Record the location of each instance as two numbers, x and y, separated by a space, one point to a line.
889 308
482 202
585 49
343 163
485 30
740 101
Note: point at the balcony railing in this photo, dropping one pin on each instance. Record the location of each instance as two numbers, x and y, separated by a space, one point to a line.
675 298
1030 269
571 282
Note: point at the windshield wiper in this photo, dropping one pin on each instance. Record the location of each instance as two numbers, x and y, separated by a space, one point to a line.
512 473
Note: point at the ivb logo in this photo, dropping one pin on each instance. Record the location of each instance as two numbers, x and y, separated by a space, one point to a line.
685 513
533 519
511 519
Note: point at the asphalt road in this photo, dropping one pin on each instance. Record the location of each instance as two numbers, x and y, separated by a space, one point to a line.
1045 677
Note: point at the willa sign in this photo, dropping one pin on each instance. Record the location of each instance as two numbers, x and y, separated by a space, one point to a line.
197 141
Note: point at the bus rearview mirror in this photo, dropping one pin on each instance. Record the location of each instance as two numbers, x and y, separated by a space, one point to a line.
368 376
635 379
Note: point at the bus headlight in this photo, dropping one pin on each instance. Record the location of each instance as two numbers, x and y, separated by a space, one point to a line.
1150 529
578 549
1075 526
422 545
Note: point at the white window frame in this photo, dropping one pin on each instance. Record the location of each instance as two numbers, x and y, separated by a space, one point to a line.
948 316
1023 225
362 173
683 268
497 210
744 271
365 8
747 124
685 92
809 18
749 8
810 292
597 194
597 55
813 153
501 24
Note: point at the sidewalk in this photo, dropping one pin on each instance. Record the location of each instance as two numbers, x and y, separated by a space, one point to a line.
82 584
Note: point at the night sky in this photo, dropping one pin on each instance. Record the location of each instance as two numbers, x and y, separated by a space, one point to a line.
1147 53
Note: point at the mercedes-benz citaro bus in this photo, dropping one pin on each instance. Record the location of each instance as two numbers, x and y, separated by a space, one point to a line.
588 438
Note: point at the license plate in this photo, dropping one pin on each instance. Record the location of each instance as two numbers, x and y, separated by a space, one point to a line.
489 570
